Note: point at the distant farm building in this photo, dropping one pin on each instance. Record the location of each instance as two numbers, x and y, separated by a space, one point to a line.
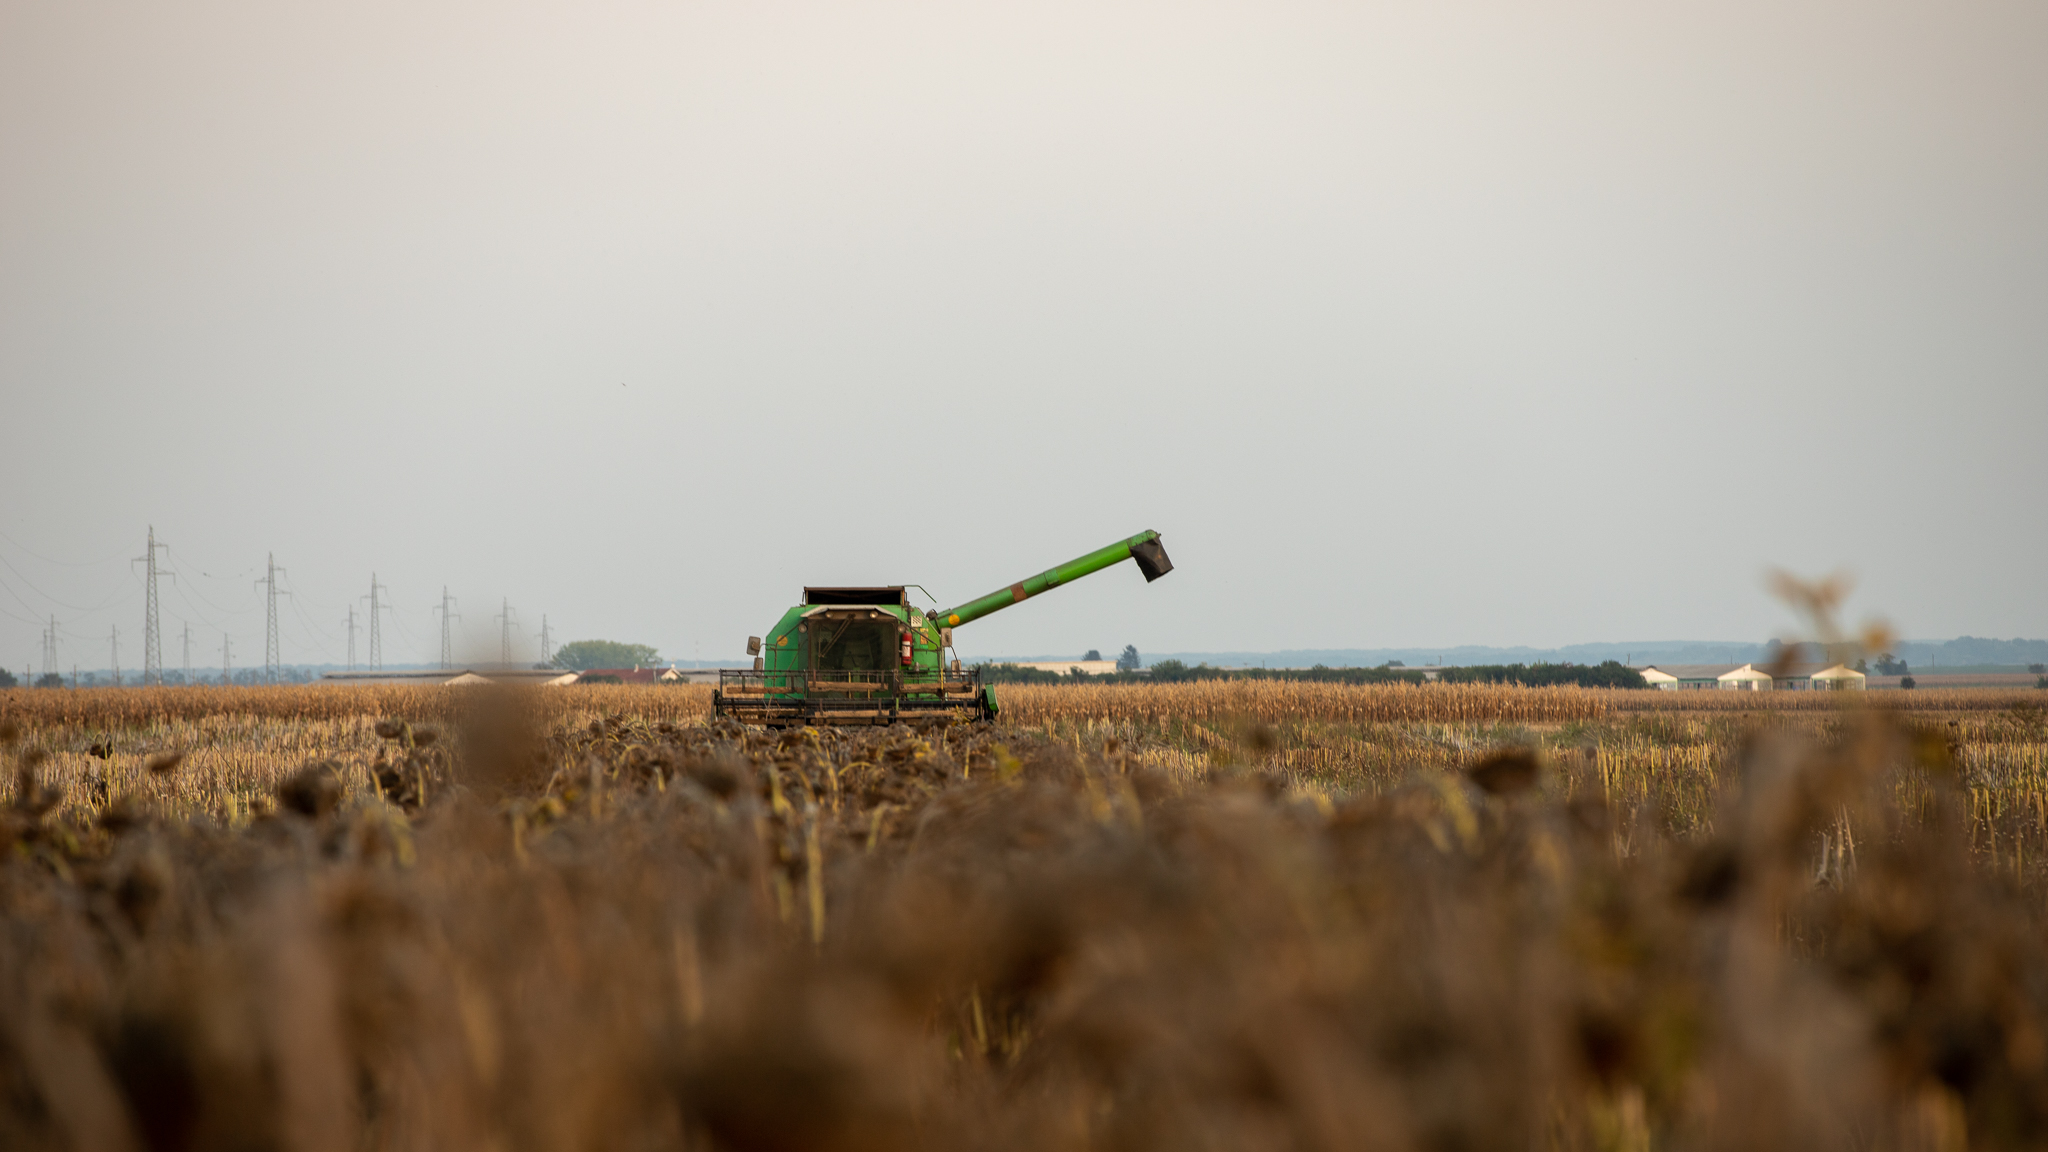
477 675
626 676
1062 667
1750 678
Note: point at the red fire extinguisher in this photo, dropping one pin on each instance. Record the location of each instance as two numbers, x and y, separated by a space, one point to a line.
906 649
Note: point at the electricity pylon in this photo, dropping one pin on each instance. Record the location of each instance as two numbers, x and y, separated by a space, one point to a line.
50 649
269 582
351 637
152 641
377 608
448 612
504 619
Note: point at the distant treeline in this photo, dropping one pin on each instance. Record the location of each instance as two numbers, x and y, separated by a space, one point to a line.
1608 674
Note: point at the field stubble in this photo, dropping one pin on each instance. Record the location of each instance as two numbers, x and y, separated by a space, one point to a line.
1246 916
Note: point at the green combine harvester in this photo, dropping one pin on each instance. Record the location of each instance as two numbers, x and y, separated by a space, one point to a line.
865 656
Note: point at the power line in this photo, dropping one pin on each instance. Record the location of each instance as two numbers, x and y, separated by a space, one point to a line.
122 594
60 563
50 648
447 611
34 616
312 635
412 642
180 560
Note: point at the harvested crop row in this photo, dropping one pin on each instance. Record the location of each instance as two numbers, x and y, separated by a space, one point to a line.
121 708
1275 700
636 933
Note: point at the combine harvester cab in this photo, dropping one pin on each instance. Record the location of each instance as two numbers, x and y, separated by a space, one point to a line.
865 656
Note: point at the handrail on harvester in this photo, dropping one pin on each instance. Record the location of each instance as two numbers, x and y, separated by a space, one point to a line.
1145 548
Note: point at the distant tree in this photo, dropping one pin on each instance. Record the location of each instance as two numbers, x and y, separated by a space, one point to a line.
1093 654
1129 661
1862 665
1890 665
584 654
49 680
7 679
1018 674
1606 674
1393 664
2037 669
1170 671
1906 682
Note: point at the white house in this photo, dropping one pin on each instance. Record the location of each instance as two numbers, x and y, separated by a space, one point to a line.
1088 667
1840 677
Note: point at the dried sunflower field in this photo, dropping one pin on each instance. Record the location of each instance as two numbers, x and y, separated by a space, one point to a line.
1231 916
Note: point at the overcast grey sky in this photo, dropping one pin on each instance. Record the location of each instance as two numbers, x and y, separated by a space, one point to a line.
1424 323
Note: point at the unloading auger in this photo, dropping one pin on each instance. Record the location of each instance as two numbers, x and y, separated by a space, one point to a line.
865 656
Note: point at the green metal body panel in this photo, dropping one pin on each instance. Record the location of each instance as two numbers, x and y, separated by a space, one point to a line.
875 663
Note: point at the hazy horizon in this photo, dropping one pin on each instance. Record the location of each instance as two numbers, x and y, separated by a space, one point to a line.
1470 324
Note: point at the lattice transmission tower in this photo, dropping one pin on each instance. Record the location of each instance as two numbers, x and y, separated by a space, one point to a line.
448 612
152 637
505 621
377 610
269 584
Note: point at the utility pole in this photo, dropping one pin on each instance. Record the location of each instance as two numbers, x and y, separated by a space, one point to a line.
505 634
448 612
351 637
227 670
269 584
152 640
377 607
116 641
547 644
188 652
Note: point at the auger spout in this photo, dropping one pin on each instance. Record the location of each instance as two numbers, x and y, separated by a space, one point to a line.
1145 548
